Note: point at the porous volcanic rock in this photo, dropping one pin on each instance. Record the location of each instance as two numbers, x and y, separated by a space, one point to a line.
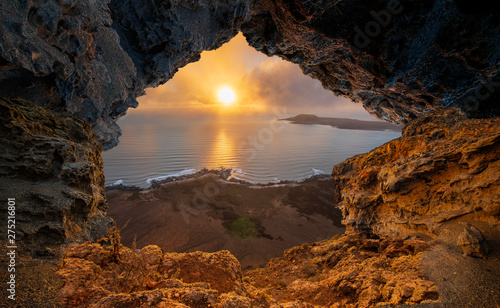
473 243
443 166
115 276
341 272
399 58
51 165
64 55
346 271
93 58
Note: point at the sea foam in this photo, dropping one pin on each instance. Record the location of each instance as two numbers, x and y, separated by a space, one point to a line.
173 175
119 182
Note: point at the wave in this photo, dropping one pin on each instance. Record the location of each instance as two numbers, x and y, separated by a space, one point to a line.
317 172
236 173
116 183
173 175
230 174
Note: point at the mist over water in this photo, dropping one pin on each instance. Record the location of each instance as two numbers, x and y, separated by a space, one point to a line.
259 148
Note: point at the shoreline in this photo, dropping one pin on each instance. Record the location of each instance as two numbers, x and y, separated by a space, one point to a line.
223 173
205 212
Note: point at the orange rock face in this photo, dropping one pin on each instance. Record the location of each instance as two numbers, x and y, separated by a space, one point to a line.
94 276
444 166
341 272
346 272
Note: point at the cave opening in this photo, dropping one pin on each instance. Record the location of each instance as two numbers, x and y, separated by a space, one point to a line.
421 212
228 106
207 162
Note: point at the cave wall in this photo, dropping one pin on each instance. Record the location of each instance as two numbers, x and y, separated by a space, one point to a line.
443 167
94 58
51 164
400 59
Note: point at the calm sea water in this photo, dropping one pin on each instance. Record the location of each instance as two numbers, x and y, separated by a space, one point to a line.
259 149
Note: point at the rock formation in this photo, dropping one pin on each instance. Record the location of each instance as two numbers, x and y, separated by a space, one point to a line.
403 60
342 123
443 166
473 242
342 272
51 164
92 276
399 58
94 58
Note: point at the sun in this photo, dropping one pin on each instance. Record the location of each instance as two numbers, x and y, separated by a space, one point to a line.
226 95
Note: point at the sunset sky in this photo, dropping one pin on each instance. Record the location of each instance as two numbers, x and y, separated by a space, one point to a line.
237 79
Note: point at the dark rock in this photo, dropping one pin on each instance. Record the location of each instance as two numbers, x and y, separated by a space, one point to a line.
342 123
80 57
163 36
473 242
93 59
400 59
51 164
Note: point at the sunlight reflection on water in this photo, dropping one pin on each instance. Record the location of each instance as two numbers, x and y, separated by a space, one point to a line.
158 145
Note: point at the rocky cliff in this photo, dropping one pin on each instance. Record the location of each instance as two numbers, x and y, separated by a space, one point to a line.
51 165
400 59
93 58
444 166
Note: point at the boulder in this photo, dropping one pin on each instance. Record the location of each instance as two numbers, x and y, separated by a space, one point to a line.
473 242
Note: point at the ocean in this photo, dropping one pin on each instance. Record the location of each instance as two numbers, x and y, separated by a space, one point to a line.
259 149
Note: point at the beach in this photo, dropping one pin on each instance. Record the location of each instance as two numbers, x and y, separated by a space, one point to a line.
207 212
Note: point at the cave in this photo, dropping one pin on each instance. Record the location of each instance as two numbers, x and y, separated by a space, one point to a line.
70 69
205 154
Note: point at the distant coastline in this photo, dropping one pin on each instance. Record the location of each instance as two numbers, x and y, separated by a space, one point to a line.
342 123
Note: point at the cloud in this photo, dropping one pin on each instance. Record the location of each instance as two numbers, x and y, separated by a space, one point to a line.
261 84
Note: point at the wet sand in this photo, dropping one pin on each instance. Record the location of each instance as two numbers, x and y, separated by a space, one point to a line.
208 213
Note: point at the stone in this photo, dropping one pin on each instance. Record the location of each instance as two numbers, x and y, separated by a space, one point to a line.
51 164
442 167
220 269
192 279
360 278
151 254
432 65
473 242
233 300
94 58
399 59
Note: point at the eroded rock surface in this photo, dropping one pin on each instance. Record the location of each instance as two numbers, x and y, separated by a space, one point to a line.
343 272
399 58
51 165
93 58
104 276
473 243
444 166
